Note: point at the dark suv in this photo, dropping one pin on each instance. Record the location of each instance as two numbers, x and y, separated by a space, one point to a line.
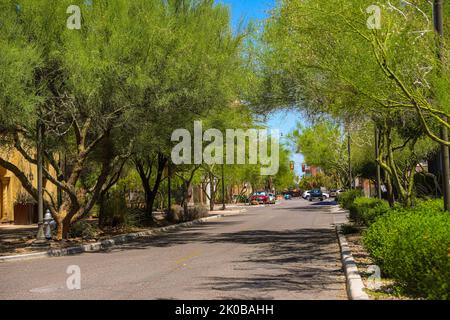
315 194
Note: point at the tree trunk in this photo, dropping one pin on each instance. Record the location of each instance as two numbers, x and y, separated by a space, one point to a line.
390 191
151 191
62 231
149 203
212 191
102 213
186 196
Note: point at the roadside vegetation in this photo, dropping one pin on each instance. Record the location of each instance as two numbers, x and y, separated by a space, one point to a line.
107 98
371 97
410 245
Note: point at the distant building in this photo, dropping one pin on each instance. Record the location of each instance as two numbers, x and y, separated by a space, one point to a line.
310 171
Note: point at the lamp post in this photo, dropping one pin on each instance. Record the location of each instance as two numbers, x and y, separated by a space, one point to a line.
445 155
377 154
169 189
349 150
223 189
40 237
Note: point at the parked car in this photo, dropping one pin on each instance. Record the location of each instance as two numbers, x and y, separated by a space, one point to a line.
335 193
315 194
296 194
272 199
306 194
259 198
326 195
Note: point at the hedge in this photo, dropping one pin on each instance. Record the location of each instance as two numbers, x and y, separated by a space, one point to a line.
365 211
347 198
412 246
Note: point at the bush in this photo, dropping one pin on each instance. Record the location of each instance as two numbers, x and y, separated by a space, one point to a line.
365 211
197 212
347 198
115 213
348 229
177 213
412 246
83 229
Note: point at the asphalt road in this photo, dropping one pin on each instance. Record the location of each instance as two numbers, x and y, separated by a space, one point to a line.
287 251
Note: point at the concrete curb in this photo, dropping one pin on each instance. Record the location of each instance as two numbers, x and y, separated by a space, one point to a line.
355 285
109 243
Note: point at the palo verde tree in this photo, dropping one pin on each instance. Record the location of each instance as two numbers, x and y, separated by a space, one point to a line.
77 83
357 62
192 73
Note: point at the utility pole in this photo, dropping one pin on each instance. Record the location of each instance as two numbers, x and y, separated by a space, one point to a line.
40 238
438 18
223 189
377 154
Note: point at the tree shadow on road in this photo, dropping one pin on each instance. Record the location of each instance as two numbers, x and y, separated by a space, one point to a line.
300 262
294 260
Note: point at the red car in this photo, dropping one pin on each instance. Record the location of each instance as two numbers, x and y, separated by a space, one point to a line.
259 198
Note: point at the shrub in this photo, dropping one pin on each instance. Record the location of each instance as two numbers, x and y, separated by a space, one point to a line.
348 229
435 205
83 229
177 213
347 198
197 212
114 212
364 211
412 246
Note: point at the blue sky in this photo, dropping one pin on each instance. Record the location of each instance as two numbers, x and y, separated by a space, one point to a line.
244 11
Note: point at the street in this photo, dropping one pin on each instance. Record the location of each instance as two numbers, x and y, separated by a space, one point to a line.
287 251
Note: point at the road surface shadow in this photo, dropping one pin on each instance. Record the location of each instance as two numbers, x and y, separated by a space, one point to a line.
183 235
297 260
307 208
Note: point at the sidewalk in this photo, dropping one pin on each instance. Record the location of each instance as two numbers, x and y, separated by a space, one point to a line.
16 239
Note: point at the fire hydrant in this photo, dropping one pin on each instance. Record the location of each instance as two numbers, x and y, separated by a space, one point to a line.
48 222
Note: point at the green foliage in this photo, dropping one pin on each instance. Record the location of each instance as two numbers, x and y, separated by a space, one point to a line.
435 205
347 198
114 212
134 72
322 145
412 246
365 211
284 179
323 59
314 182
84 229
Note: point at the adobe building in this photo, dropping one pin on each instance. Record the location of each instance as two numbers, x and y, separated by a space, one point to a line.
16 204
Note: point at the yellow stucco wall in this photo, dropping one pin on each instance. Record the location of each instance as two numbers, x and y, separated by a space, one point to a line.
11 188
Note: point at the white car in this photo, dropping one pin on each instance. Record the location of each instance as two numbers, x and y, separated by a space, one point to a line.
272 198
306 194
326 195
